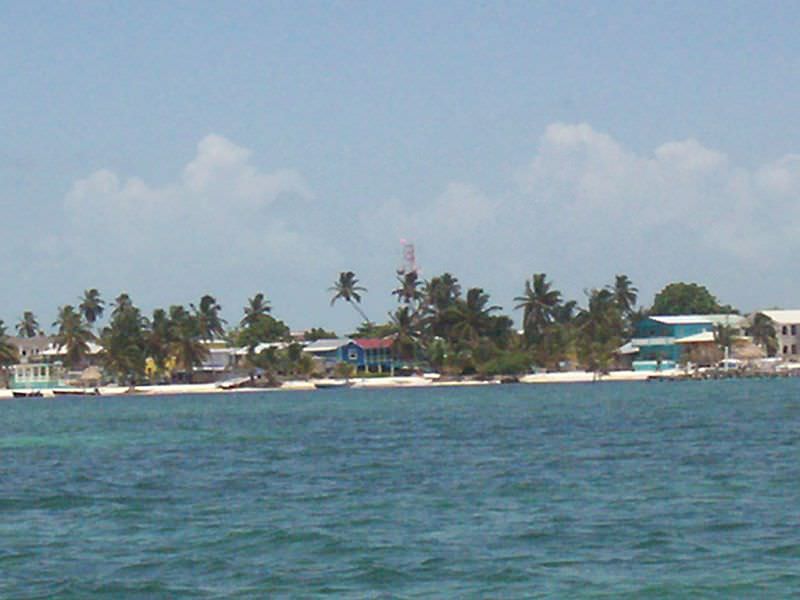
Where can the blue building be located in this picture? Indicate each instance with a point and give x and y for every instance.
(365, 354)
(658, 340)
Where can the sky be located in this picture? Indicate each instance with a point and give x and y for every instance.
(170, 150)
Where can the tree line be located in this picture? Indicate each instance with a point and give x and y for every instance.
(437, 323)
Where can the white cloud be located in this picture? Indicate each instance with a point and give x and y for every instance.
(590, 178)
(220, 225)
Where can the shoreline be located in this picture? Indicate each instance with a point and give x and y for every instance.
(411, 381)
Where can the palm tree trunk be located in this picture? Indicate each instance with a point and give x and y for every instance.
(360, 312)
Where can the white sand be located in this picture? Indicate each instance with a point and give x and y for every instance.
(367, 383)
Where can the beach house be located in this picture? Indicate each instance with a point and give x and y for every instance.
(365, 354)
(661, 341)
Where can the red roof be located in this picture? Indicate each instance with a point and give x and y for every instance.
(374, 343)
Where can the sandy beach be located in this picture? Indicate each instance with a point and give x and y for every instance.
(358, 383)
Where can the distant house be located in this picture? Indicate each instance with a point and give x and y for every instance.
(36, 376)
(787, 331)
(662, 341)
(30, 349)
(365, 354)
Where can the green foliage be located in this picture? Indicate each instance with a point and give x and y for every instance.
(764, 334)
(8, 352)
(687, 299)
(210, 325)
(125, 341)
(347, 289)
(73, 335)
(344, 370)
(91, 306)
(513, 362)
(318, 333)
(186, 340)
(539, 304)
(367, 329)
(600, 330)
(28, 326)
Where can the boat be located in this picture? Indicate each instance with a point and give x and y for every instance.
(330, 384)
(77, 392)
(27, 393)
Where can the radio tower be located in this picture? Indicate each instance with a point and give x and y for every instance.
(409, 260)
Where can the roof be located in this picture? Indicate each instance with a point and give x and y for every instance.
(374, 343)
(782, 316)
(57, 350)
(628, 348)
(326, 345)
(698, 319)
(703, 337)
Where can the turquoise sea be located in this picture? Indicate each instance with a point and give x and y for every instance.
(633, 490)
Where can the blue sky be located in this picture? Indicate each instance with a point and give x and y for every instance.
(174, 149)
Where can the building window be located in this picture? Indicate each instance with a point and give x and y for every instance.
(783, 330)
(786, 350)
(794, 329)
(794, 348)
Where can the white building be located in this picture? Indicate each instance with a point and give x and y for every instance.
(787, 331)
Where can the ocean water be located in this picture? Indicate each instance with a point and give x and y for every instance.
(659, 490)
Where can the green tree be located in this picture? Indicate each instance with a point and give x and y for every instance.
(91, 306)
(8, 353)
(124, 342)
(257, 308)
(763, 333)
(186, 340)
(159, 339)
(439, 295)
(259, 326)
(625, 293)
(539, 304)
(347, 289)
(121, 303)
(318, 333)
(28, 326)
(405, 324)
(73, 335)
(408, 291)
(687, 299)
(471, 317)
(210, 324)
(600, 328)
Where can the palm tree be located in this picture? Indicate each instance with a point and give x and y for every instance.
(406, 332)
(408, 292)
(624, 293)
(763, 332)
(257, 308)
(73, 335)
(439, 294)
(347, 289)
(540, 304)
(124, 341)
(122, 303)
(91, 306)
(186, 343)
(209, 321)
(600, 329)
(472, 317)
(8, 352)
(28, 326)
(159, 339)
